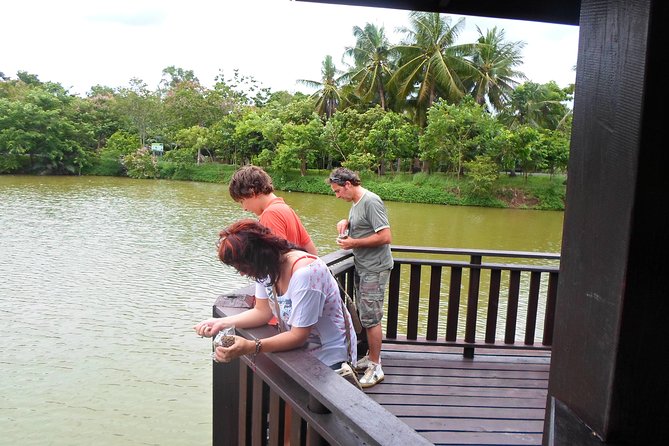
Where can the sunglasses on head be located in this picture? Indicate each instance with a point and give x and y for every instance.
(338, 179)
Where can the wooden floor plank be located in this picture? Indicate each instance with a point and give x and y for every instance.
(460, 401)
(461, 411)
(495, 398)
(482, 438)
(466, 381)
(455, 372)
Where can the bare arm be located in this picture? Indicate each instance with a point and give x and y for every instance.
(287, 340)
(311, 248)
(383, 237)
(259, 315)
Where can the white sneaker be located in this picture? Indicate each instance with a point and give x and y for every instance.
(362, 363)
(373, 375)
(348, 374)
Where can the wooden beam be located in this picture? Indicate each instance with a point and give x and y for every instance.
(564, 12)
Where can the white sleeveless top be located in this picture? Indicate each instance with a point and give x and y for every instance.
(313, 300)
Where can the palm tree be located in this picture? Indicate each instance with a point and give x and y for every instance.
(373, 57)
(431, 65)
(327, 95)
(495, 60)
(538, 105)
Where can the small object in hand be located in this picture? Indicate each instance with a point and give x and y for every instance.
(227, 341)
(223, 340)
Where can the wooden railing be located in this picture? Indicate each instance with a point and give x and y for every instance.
(469, 314)
(250, 400)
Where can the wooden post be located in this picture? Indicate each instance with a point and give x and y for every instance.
(606, 382)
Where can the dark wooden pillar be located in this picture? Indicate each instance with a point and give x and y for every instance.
(608, 382)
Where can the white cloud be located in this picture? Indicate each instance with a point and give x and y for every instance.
(84, 43)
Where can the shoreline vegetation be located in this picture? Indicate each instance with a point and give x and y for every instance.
(533, 191)
(424, 120)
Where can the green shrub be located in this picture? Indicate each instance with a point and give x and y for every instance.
(482, 172)
(264, 159)
(551, 197)
(539, 192)
(141, 164)
(105, 166)
(120, 144)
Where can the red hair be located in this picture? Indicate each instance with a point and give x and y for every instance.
(252, 249)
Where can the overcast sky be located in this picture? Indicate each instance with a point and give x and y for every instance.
(84, 43)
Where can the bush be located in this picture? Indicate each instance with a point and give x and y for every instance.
(539, 192)
(141, 164)
(120, 144)
(551, 197)
(482, 172)
(105, 166)
(206, 172)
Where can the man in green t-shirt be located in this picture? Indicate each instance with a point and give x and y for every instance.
(367, 233)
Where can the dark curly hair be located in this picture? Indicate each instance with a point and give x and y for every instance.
(253, 250)
(248, 181)
(341, 175)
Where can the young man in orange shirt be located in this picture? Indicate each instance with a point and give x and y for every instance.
(252, 187)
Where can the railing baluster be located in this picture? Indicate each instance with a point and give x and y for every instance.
(413, 304)
(453, 304)
(493, 306)
(532, 307)
(245, 404)
(313, 437)
(549, 318)
(259, 412)
(512, 308)
(472, 300)
(393, 302)
(433, 306)
(298, 429)
(277, 422)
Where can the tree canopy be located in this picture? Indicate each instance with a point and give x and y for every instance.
(426, 102)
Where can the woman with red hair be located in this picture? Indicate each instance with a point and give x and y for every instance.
(292, 285)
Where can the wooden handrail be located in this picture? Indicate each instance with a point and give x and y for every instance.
(476, 252)
(328, 407)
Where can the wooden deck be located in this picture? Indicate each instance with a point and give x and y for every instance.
(496, 398)
(466, 358)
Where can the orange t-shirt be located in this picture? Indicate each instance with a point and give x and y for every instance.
(284, 222)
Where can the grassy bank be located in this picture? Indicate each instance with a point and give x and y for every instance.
(534, 192)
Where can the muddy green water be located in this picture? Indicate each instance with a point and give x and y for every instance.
(102, 279)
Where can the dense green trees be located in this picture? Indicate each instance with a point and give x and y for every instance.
(42, 129)
(427, 102)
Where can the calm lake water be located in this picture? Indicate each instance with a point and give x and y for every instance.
(102, 279)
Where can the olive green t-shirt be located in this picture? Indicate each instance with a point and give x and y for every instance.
(365, 218)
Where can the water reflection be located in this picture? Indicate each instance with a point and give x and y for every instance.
(103, 278)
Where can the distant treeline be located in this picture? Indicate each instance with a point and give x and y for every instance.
(425, 104)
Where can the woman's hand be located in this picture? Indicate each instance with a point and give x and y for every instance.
(208, 328)
(241, 346)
